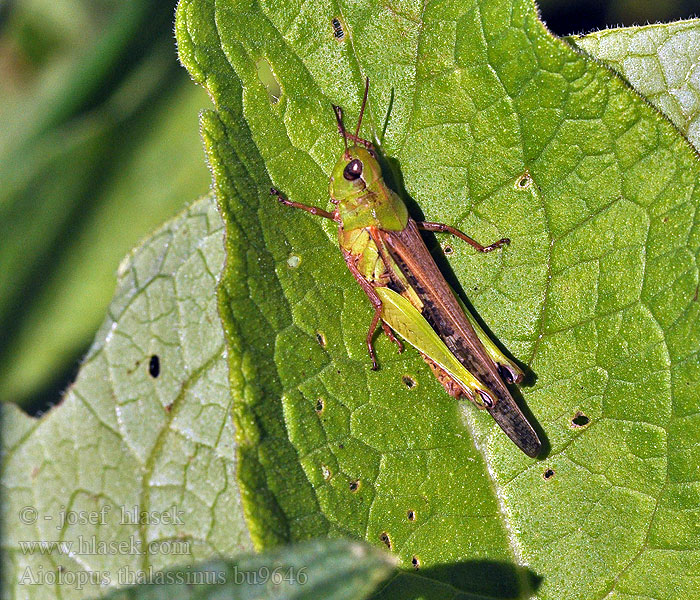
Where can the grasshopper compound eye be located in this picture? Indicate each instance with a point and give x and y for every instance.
(353, 170)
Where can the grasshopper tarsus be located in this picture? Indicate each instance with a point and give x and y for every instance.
(370, 348)
(372, 328)
(495, 245)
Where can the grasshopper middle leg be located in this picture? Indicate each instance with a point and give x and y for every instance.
(377, 305)
(442, 228)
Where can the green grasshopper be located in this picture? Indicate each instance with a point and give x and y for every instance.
(386, 254)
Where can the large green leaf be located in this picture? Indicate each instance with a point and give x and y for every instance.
(129, 436)
(597, 294)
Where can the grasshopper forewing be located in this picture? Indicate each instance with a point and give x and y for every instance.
(442, 310)
(385, 252)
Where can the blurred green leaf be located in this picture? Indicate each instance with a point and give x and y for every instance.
(141, 187)
(101, 122)
(661, 62)
(327, 569)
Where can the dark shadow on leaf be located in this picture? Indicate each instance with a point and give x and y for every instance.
(468, 580)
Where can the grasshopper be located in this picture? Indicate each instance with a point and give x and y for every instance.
(385, 252)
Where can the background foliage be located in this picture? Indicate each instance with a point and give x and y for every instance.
(99, 145)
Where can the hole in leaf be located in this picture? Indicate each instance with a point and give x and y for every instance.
(154, 366)
(524, 181)
(409, 382)
(548, 474)
(338, 32)
(384, 537)
(411, 515)
(580, 420)
(448, 250)
(415, 562)
(354, 485)
(293, 261)
(320, 405)
(267, 77)
(321, 338)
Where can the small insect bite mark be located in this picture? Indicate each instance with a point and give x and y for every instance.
(415, 562)
(326, 472)
(411, 515)
(154, 366)
(409, 382)
(448, 250)
(354, 486)
(524, 181)
(384, 537)
(320, 405)
(293, 261)
(321, 339)
(168, 407)
(338, 32)
(548, 474)
(580, 420)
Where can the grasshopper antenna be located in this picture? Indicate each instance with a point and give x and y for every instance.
(362, 110)
(341, 127)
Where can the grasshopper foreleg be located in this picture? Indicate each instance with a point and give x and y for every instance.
(442, 228)
(314, 210)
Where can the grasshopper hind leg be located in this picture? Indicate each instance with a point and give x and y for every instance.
(390, 334)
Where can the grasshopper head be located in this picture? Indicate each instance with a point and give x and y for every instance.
(356, 170)
(356, 184)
